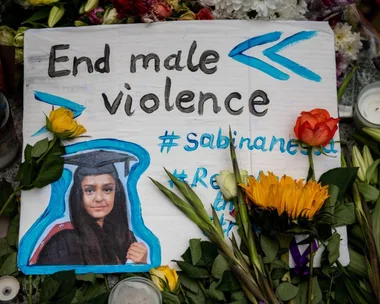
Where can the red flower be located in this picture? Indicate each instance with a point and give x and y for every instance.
(132, 8)
(205, 14)
(316, 128)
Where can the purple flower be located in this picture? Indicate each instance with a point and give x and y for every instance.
(341, 64)
(96, 15)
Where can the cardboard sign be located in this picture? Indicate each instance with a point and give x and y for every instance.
(163, 95)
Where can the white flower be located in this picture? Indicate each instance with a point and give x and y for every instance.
(227, 183)
(263, 7)
(232, 9)
(347, 42)
(352, 49)
(291, 10)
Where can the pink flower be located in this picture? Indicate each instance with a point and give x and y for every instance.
(96, 15)
(162, 10)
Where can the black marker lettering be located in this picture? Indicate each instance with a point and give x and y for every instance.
(253, 102)
(147, 97)
(115, 105)
(227, 103)
(184, 97)
(202, 99)
(145, 59)
(207, 57)
(53, 59)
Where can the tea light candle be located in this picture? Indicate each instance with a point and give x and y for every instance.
(9, 288)
(367, 108)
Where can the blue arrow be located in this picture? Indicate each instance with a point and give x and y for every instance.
(300, 70)
(237, 54)
(57, 101)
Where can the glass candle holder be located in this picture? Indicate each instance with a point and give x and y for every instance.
(135, 290)
(367, 107)
(9, 143)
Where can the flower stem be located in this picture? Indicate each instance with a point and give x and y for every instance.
(311, 173)
(311, 265)
(10, 198)
(30, 299)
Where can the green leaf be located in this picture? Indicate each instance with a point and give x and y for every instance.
(187, 255)
(343, 178)
(196, 298)
(4, 247)
(216, 221)
(371, 171)
(49, 288)
(357, 264)
(191, 197)
(209, 253)
(269, 246)
(6, 191)
(89, 277)
(180, 204)
(241, 301)
(93, 291)
(376, 225)
(9, 266)
(333, 248)
(168, 298)
(196, 250)
(286, 291)
(40, 14)
(237, 295)
(40, 147)
(99, 299)
(220, 266)
(278, 273)
(346, 82)
(228, 282)
(193, 271)
(316, 292)
(188, 283)
(370, 142)
(301, 297)
(214, 293)
(369, 192)
(51, 168)
(12, 236)
(345, 214)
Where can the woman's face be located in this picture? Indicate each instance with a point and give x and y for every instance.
(98, 195)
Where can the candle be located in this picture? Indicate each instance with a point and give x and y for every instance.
(367, 108)
(9, 288)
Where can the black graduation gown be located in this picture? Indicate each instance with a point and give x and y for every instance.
(65, 248)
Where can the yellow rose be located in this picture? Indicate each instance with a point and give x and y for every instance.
(165, 278)
(188, 16)
(61, 122)
(42, 2)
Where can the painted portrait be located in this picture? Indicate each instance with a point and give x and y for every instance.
(94, 220)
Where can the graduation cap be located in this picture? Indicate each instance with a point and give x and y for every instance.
(99, 162)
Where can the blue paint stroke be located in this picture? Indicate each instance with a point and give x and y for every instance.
(56, 210)
(237, 54)
(57, 101)
(300, 70)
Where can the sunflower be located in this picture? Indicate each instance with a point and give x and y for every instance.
(296, 199)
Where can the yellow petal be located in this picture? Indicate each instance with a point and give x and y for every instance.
(79, 131)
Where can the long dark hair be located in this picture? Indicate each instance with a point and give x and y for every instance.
(101, 246)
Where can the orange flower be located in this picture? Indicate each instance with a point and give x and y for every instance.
(316, 128)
